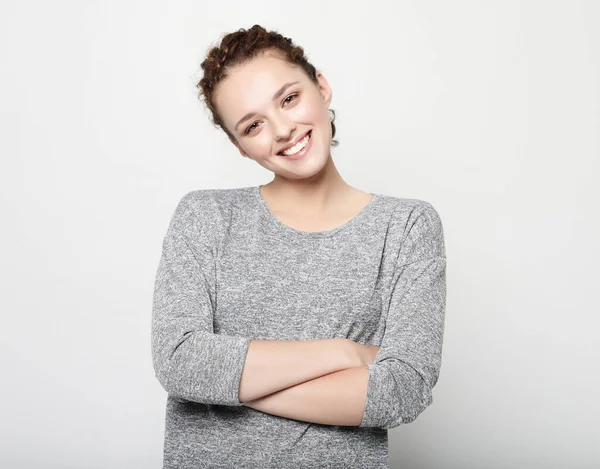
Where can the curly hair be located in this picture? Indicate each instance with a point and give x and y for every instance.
(240, 47)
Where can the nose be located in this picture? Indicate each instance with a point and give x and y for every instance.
(283, 128)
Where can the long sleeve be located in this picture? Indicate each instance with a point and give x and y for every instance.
(190, 361)
(408, 363)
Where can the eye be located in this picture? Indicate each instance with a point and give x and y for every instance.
(293, 95)
(250, 128)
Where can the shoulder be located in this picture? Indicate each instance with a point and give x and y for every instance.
(410, 211)
(417, 225)
(206, 213)
(209, 203)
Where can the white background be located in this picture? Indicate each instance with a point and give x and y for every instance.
(489, 110)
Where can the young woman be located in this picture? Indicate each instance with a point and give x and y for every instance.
(294, 322)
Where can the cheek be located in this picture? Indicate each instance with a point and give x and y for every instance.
(262, 144)
(314, 111)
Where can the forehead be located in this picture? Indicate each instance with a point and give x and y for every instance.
(251, 85)
(261, 72)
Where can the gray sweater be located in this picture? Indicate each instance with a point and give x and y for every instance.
(230, 272)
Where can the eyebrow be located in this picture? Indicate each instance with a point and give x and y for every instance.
(276, 96)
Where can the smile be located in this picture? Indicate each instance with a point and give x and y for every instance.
(299, 149)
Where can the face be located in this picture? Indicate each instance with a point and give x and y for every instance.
(265, 117)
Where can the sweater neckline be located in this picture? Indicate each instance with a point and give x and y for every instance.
(282, 227)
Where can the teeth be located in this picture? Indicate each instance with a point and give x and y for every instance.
(296, 148)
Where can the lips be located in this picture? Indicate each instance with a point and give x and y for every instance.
(293, 143)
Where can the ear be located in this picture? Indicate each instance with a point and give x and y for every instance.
(324, 89)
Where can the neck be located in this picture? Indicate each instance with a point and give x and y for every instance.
(312, 195)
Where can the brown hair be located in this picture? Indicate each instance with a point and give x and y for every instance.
(240, 47)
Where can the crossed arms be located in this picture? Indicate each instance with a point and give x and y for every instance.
(322, 381)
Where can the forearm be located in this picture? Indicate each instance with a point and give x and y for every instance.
(335, 399)
(273, 365)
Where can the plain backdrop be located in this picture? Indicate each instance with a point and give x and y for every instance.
(489, 110)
